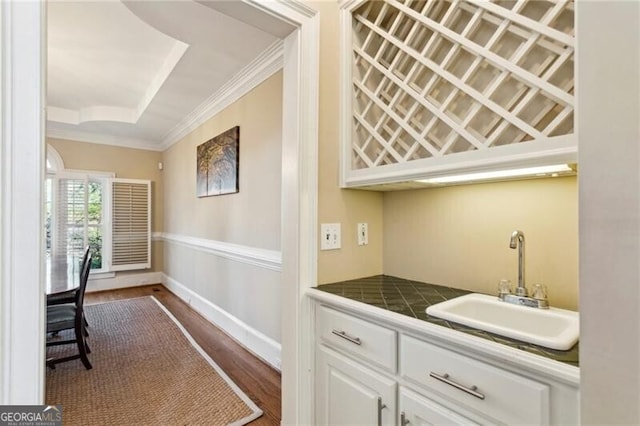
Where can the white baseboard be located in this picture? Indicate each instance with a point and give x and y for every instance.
(124, 281)
(254, 341)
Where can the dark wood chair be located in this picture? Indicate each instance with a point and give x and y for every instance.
(71, 316)
(68, 296)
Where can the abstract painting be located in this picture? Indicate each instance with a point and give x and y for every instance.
(218, 164)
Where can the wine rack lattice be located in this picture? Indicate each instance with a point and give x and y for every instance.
(438, 77)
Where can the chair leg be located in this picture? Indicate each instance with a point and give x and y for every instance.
(82, 346)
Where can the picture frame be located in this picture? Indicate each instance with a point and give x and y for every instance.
(218, 161)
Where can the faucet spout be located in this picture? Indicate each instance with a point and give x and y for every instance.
(517, 241)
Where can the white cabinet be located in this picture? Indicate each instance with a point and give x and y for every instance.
(370, 372)
(362, 339)
(502, 396)
(417, 410)
(350, 394)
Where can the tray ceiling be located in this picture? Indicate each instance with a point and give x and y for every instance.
(129, 73)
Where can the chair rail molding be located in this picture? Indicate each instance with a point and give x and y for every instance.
(264, 258)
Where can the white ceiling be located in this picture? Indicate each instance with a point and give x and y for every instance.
(128, 73)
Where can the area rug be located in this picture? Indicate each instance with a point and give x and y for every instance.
(147, 370)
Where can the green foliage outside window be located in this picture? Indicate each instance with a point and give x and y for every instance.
(94, 217)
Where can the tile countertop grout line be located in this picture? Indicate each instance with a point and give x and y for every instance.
(384, 299)
(570, 357)
(405, 301)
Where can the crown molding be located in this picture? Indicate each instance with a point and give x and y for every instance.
(264, 66)
(286, 9)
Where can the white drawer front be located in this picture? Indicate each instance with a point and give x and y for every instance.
(364, 340)
(500, 395)
(417, 410)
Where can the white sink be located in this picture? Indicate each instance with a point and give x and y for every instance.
(552, 328)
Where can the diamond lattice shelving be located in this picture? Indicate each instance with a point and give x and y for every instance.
(433, 78)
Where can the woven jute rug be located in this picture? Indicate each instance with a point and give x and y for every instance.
(147, 370)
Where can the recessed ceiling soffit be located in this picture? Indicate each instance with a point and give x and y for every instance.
(118, 81)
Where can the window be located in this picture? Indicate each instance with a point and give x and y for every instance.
(82, 216)
(110, 215)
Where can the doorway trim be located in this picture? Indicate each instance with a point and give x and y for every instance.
(23, 41)
(22, 162)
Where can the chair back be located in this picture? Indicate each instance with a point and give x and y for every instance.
(85, 256)
(84, 278)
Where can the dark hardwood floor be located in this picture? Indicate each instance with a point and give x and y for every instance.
(256, 378)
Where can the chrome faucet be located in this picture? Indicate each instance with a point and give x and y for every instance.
(521, 296)
(517, 241)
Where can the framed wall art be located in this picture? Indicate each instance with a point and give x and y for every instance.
(218, 164)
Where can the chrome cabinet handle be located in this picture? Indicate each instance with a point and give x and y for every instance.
(403, 419)
(473, 390)
(345, 336)
(380, 407)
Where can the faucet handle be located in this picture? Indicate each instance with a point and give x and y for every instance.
(539, 292)
(504, 287)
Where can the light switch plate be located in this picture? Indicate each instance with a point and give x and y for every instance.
(363, 234)
(330, 236)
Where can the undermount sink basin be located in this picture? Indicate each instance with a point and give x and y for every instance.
(552, 328)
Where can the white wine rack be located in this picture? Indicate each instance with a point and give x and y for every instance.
(438, 85)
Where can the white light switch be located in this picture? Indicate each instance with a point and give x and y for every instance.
(330, 236)
(363, 234)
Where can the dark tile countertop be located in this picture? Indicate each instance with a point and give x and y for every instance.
(411, 298)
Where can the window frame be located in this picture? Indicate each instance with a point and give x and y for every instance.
(87, 175)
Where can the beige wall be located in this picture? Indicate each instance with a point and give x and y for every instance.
(347, 207)
(459, 236)
(252, 216)
(249, 218)
(125, 163)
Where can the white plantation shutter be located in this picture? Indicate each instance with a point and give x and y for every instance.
(69, 237)
(131, 224)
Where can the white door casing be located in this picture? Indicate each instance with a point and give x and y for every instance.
(23, 69)
(23, 45)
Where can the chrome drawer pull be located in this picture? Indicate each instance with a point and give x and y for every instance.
(403, 419)
(345, 336)
(473, 390)
(380, 407)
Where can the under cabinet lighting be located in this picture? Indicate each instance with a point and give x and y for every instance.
(501, 174)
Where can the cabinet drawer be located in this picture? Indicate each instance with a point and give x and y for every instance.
(498, 394)
(416, 410)
(364, 340)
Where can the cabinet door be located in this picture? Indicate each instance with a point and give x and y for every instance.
(351, 394)
(417, 410)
